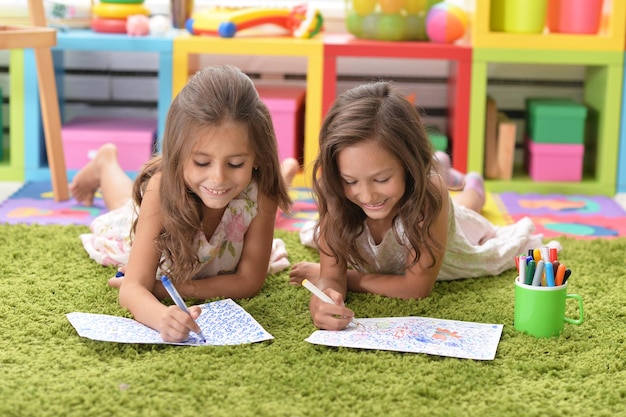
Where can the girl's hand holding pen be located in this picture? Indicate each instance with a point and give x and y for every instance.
(327, 316)
(176, 324)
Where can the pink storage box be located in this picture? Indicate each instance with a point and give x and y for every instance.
(286, 105)
(84, 135)
(555, 162)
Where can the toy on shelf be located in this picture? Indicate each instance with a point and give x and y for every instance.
(137, 25)
(110, 16)
(445, 23)
(226, 22)
(405, 20)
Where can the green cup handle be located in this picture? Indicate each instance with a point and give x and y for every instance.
(580, 309)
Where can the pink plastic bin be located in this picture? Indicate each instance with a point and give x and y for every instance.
(555, 162)
(134, 139)
(286, 105)
(575, 16)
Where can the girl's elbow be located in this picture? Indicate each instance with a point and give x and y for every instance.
(417, 293)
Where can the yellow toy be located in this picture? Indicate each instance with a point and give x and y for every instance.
(227, 21)
(118, 11)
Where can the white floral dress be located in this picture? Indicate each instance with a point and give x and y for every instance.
(109, 240)
(475, 248)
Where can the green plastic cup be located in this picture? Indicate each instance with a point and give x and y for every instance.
(540, 311)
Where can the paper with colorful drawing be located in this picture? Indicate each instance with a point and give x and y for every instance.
(459, 339)
(223, 322)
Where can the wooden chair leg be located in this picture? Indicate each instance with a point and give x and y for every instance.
(51, 116)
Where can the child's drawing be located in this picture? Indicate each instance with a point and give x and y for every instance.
(223, 322)
(458, 339)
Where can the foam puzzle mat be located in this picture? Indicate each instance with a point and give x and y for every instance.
(578, 216)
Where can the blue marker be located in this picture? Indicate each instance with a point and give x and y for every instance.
(171, 290)
(549, 274)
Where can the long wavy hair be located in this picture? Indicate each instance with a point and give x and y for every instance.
(376, 112)
(212, 96)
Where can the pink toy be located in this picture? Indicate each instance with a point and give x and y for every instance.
(445, 23)
(137, 25)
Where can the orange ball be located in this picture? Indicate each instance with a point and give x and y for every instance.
(391, 6)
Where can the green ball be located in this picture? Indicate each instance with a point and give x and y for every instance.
(354, 24)
(391, 27)
(370, 26)
(416, 27)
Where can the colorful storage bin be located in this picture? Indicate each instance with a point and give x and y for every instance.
(286, 106)
(135, 139)
(555, 120)
(518, 16)
(555, 162)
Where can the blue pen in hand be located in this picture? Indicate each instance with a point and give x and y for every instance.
(171, 290)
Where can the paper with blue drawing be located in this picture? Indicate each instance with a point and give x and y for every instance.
(223, 322)
(459, 339)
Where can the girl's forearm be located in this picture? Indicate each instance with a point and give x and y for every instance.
(142, 304)
(395, 286)
(235, 286)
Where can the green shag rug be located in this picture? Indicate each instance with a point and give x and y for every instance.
(46, 369)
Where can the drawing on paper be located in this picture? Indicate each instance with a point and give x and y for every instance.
(452, 338)
(223, 322)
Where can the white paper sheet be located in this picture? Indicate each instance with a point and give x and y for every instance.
(459, 339)
(223, 322)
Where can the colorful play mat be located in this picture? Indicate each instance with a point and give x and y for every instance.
(584, 217)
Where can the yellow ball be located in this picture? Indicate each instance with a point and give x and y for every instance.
(414, 6)
(363, 7)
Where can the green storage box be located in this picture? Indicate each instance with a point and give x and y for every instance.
(438, 140)
(555, 120)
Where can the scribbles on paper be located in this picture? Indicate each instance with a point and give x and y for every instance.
(452, 338)
(223, 322)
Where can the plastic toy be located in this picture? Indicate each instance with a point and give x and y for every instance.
(228, 21)
(118, 11)
(137, 25)
(106, 25)
(159, 25)
(445, 23)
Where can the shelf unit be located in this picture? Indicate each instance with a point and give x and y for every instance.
(12, 163)
(36, 168)
(460, 62)
(312, 49)
(603, 85)
(601, 54)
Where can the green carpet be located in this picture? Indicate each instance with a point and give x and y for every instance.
(46, 369)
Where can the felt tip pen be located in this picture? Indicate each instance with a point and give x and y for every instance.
(178, 300)
(538, 273)
(560, 274)
(317, 292)
(549, 274)
(530, 272)
(522, 268)
(320, 294)
(545, 254)
(568, 272)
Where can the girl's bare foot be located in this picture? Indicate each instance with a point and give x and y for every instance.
(304, 270)
(87, 181)
(289, 168)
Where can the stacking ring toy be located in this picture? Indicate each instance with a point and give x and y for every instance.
(118, 11)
